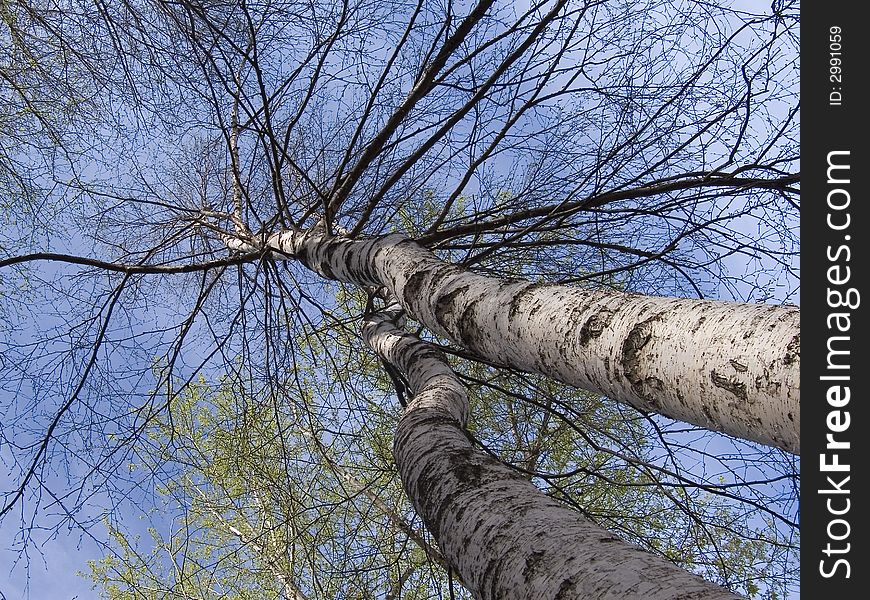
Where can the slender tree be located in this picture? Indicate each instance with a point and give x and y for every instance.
(503, 536)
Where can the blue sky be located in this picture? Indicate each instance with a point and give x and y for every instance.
(52, 575)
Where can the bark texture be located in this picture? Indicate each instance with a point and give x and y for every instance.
(505, 538)
(727, 366)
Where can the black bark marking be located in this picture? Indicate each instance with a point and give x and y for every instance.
(328, 256)
(632, 368)
(469, 332)
(469, 474)
(379, 248)
(764, 383)
(568, 589)
(655, 385)
(708, 413)
(444, 304)
(360, 259)
(413, 287)
(738, 366)
(533, 561)
(492, 571)
(302, 256)
(737, 388)
(433, 512)
(517, 300)
(595, 325)
(406, 241)
(469, 467)
(430, 353)
(634, 342)
(447, 305)
(792, 351)
(440, 274)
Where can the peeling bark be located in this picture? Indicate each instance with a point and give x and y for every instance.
(505, 538)
(726, 366)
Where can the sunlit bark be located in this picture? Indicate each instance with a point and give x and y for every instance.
(726, 366)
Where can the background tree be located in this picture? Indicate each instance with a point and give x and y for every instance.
(650, 148)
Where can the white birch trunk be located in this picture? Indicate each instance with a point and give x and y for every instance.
(505, 538)
(726, 366)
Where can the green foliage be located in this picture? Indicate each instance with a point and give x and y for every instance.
(270, 508)
(268, 494)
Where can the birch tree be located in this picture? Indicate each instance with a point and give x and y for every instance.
(559, 193)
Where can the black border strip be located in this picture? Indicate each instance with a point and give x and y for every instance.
(834, 299)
